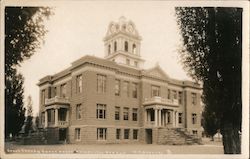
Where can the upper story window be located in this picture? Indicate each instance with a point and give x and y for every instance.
(134, 115)
(180, 97)
(126, 88)
(136, 64)
(43, 96)
(101, 83)
(63, 90)
(117, 87)
(55, 91)
(194, 118)
(115, 46)
(155, 91)
(78, 111)
(194, 98)
(51, 115)
(117, 113)
(134, 48)
(125, 113)
(126, 46)
(134, 90)
(109, 49)
(174, 94)
(79, 84)
(169, 94)
(62, 114)
(101, 111)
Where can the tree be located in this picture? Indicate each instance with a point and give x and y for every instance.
(29, 123)
(24, 31)
(210, 123)
(212, 54)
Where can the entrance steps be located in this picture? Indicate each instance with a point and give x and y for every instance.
(176, 136)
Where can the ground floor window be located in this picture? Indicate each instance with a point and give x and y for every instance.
(118, 134)
(180, 118)
(77, 134)
(135, 134)
(195, 132)
(126, 133)
(101, 133)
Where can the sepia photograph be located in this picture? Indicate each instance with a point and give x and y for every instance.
(124, 79)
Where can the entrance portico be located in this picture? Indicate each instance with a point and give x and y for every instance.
(160, 112)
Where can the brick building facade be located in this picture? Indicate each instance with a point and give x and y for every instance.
(114, 100)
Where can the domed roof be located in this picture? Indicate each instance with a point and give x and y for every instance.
(122, 26)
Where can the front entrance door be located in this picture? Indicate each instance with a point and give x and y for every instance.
(62, 134)
(148, 135)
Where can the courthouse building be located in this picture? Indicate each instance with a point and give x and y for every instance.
(114, 100)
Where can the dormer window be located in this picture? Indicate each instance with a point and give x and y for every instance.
(115, 46)
(134, 49)
(126, 46)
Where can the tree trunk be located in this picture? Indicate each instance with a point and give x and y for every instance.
(231, 139)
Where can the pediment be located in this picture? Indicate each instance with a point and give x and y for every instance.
(156, 72)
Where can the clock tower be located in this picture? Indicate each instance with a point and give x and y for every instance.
(122, 43)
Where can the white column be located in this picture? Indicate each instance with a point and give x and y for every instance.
(160, 117)
(67, 116)
(163, 118)
(56, 117)
(46, 119)
(148, 116)
(176, 119)
(173, 118)
(156, 117)
(145, 116)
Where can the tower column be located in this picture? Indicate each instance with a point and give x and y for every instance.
(46, 119)
(159, 117)
(156, 117)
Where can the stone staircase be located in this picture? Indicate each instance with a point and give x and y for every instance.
(176, 136)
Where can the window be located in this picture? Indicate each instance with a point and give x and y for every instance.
(127, 61)
(134, 115)
(174, 94)
(134, 49)
(134, 90)
(117, 113)
(55, 91)
(43, 97)
(101, 111)
(101, 83)
(135, 134)
(169, 94)
(194, 132)
(109, 49)
(77, 134)
(125, 113)
(155, 91)
(126, 133)
(117, 87)
(51, 115)
(63, 90)
(194, 98)
(79, 84)
(194, 118)
(62, 113)
(115, 46)
(180, 118)
(126, 46)
(78, 111)
(101, 133)
(180, 97)
(126, 88)
(118, 134)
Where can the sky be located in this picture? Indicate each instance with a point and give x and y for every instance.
(78, 29)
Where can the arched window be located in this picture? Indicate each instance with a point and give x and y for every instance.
(134, 49)
(126, 46)
(115, 46)
(109, 49)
